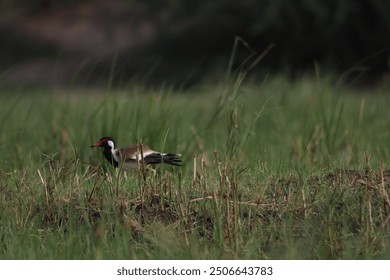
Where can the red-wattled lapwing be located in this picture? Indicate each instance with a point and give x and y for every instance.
(127, 157)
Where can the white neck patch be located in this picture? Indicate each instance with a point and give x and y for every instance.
(111, 144)
(113, 151)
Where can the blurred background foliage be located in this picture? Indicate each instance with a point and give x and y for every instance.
(184, 41)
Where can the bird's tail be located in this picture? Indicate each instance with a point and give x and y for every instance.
(172, 159)
(156, 158)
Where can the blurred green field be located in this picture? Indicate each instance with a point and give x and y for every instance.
(272, 170)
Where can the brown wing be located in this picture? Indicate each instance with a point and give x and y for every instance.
(133, 153)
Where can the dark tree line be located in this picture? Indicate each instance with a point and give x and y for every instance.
(338, 35)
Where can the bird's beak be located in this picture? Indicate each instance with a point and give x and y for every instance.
(95, 145)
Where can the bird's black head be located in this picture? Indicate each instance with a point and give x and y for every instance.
(105, 142)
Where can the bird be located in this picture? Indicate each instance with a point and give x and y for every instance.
(130, 157)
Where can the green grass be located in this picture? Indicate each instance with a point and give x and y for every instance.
(272, 170)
